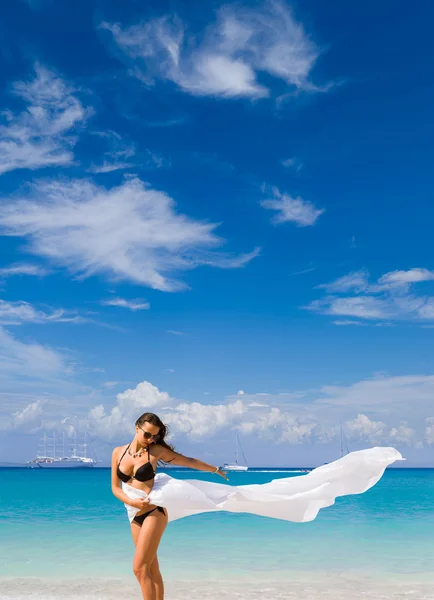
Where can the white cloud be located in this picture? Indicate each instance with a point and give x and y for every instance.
(174, 332)
(387, 410)
(390, 298)
(363, 307)
(28, 360)
(397, 278)
(130, 232)
(109, 167)
(345, 322)
(115, 157)
(226, 61)
(110, 384)
(23, 269)
(36, 384)
(16, 313)
(411, 393)
(199, 420)
(279, 426)
(137, 304)
(292, 163)
(43, 134)
(429, 430)
(289, 209)
(129, 406)
(357, 281)
(26, 420)
(403, 434)
(194, 418)
(379, 410)
(363, 428)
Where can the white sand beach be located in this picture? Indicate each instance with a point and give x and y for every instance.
(318, 588)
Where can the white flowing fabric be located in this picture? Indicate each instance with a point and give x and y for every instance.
(296, 499)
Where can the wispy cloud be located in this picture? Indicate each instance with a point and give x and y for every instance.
(303, 271)
(137, 304)
(348, 322)
(23, 269)
(28, 360)
(356, 281)
(390, 298)
(44, 133)
(110, 166)
(289, 209)
(167, 122)
(404, 278)
(130, 232)
(226, 62)
(115, 158)
(108, 385)
(292, 163)
(17, 313)
(174, 332)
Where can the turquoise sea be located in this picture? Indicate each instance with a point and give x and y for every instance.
(64, 527)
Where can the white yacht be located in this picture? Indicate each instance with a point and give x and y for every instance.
(236, 466)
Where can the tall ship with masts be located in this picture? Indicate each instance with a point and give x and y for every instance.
(53, 453)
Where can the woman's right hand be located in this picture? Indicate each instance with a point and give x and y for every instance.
(140, 503)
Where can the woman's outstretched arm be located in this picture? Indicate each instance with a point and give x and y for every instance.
(174, 458)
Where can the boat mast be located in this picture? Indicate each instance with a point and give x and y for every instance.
(343, 441)
(74, 451)
(44, 446)
(236, 448)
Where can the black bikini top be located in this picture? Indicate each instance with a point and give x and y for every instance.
(144, 472)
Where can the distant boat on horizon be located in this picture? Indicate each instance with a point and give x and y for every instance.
(236, 466)
(343, 443)
(52, 455)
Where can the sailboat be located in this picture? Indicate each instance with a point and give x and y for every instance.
(344, 443)
(235, 466)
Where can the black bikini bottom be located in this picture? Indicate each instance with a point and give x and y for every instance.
(139, 520)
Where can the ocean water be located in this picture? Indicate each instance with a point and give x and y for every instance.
(64, 535)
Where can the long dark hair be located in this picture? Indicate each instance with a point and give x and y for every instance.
(153, 419)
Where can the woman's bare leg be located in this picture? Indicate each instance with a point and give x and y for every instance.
(145, 566)
(155, 567)
(157, 579)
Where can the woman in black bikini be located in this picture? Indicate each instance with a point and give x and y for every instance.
(135, 466)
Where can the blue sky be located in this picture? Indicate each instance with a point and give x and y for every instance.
(221, 212)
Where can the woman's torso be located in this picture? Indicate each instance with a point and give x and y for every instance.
(137, 473)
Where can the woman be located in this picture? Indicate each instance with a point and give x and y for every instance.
(133, 471)
(152, 500)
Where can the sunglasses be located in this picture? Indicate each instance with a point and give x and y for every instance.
(150, 436)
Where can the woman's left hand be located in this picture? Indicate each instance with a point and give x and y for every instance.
(222, 474)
